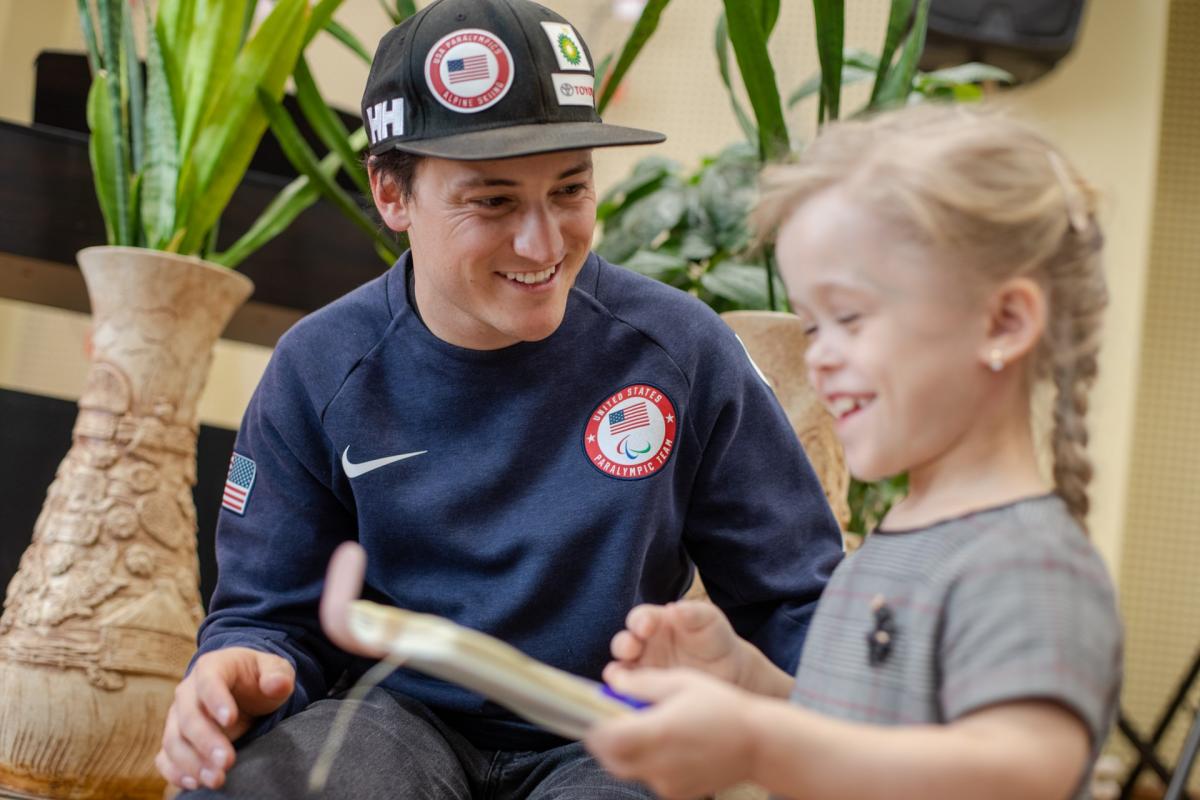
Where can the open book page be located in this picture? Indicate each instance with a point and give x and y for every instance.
(558, 701)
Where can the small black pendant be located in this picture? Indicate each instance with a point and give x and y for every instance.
(879, 641)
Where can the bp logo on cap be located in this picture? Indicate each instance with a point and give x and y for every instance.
(631, 435)
(567, 47)
(469, 70)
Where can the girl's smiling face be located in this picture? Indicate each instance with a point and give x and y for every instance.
(894, 336)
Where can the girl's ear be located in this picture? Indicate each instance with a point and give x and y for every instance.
(1016, 321)
(393, 206)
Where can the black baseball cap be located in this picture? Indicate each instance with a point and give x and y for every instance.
(483, 79)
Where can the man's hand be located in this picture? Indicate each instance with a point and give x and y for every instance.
(214, 705)
(690, 633)
(695, 740)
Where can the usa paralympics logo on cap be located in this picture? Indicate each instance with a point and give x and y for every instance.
(469, 70)
(631, 435)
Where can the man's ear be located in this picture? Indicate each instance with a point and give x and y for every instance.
(390, 201)
(1016, 321)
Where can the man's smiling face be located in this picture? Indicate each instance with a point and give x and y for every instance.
(496, 245)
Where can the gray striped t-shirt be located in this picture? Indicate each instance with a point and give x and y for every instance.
(1005, 604)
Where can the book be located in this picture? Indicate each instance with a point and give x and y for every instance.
(552, 698)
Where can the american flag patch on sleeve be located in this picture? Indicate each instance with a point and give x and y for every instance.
(239, 483)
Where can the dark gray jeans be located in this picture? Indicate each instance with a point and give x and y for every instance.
(397, 748)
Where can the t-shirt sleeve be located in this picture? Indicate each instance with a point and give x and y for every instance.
(758, 526)
(275, 538)
(1032, 616)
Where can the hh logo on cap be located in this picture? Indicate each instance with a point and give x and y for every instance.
(386, 119)
(469, 70)
(631, 434)
(574, 90)
(567, 47)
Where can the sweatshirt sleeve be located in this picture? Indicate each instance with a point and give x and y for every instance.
(272, 555)
(758, 527)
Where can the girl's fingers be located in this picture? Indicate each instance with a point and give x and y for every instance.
(627, 647)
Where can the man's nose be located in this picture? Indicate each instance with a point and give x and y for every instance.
(539, 238)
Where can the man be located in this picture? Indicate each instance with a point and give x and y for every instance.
(524, 439)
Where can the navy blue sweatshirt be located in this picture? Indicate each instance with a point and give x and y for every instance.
(559, 483)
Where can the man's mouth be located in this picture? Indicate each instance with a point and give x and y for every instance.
(532, 278)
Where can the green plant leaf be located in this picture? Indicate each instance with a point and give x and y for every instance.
(721, 44)
(830, 21)
(102, 151)
(601, 72)
(349, 39)
(174, 28)
(898, 20)
(744, 284)
(642, 31)
(972, 72)
(658, 265)
(229, 137)
(727, 190)
(647, 174)
(160, 172)
(758, 75)
(287, 205)
(899, 82)
(131, 77)
(88, 28)
(111, 13)
(321, 14)
(649, 217)
(300, 155)
(212, 52)
(851, 74)
(768, 15)
(328, 125)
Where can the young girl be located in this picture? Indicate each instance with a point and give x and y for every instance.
(945, 262)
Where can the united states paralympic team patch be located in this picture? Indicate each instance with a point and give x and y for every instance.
(239, 483)
(469, 70)
(631, 435)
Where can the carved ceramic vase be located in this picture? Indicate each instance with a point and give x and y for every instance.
(776, 342)
(100, 620)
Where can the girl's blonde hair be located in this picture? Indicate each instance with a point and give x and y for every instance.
(1002, 202)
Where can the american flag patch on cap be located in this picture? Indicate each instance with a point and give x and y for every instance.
(239, 483)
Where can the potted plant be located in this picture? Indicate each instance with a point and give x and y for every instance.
(100, 619)
(689, 229)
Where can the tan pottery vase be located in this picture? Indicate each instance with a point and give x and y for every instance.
(100, 620)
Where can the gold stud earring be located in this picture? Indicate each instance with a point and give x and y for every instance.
(996, 360)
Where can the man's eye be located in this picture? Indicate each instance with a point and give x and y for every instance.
(490, 202)
(573, 189)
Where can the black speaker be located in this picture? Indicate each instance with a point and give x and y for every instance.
(1025, 37)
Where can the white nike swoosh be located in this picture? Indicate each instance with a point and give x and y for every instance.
(354, 470)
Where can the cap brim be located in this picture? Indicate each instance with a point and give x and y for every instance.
(526, 140)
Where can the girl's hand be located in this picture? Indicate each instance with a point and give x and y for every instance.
(690, 633)
(695, 740)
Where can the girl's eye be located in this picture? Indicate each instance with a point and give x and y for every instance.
(849, 319)
(810, 330)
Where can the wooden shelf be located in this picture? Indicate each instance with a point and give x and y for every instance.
(48, 212)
